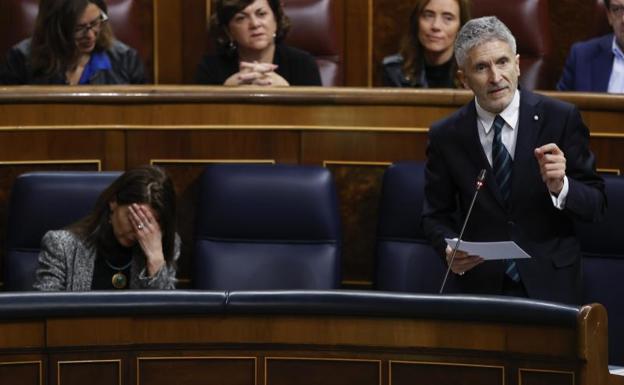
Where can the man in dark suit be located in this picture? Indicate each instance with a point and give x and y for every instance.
(540, 175)
(597, 65)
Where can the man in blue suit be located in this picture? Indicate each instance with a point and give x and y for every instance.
(597, 65)
(540, 175)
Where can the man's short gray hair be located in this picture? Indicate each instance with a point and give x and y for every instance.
(479, 31)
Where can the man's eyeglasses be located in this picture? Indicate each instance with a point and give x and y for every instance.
(617, 10)
(95, 25)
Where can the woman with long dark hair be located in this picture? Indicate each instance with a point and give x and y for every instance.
(127, 242)
(72, 44)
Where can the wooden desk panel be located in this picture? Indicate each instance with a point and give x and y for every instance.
(269, 349)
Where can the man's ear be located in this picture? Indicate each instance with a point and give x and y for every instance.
(518, 63)
(462, 78)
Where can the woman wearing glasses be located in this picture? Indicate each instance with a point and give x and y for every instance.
(72, 44)
(250, 51)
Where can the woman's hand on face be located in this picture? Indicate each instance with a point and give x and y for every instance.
(149, 236)
(259, 74)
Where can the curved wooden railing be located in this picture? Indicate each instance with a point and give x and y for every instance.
(338, 337)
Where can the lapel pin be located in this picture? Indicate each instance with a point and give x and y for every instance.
(535, 117)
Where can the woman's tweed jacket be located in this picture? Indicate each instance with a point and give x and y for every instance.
(66, 264)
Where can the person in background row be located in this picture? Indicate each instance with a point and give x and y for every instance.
(597, 65)
(127, 242)
(541, 175)
(249, 36)
(426, 57)
(72, 44)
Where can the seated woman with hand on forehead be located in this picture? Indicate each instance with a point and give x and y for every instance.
(250, 51)
(72, 44)
(127, 242)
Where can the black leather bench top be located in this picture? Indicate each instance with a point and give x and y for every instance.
(333, 302)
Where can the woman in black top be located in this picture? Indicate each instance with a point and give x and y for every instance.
(72, 44)
(426, 59)
(249, 49)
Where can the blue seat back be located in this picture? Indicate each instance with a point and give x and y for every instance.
(262, 227)
(42, 201)
(603, 264)
(404, 257)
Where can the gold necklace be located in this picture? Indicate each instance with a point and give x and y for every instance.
(119, 280)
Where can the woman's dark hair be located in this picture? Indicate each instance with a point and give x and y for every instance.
(225, 10)
(54, 47)
(411, 47)
(147, 184)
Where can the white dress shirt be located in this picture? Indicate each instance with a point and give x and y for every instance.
(616, 81)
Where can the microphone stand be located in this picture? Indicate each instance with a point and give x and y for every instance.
(479, 184)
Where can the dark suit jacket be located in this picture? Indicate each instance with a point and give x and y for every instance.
(588, 66)
(455, 157)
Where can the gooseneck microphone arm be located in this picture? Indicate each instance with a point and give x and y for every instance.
(479, 184)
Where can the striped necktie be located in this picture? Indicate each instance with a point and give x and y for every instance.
(502, 165)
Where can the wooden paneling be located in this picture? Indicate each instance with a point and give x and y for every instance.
(92, 372)
(310, 371)
(21, 372)
(439, 373)
(359, 184)
(546, 377)
(89, 331)
(390, 24)
(25, 334)
(358, 43)
(277, 349)
(194, 36)
(168, 45)
(196, 371)
(372, 333)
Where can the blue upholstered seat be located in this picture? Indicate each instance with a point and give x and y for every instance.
(263, 227)
(405, 260)
(603, 264)
(42, 201)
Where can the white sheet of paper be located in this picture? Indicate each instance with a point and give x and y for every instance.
(617, 370)
(491, 250)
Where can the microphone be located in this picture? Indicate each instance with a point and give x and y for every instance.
(479, 184)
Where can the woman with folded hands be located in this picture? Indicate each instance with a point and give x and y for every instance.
(249, 35)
